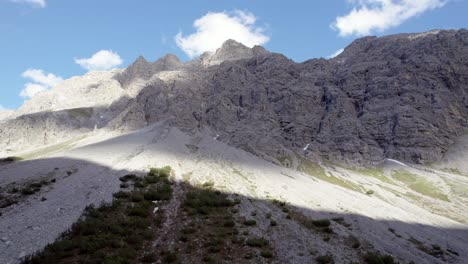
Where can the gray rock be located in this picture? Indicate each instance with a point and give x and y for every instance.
(403, 97)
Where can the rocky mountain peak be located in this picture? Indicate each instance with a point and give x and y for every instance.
(166, 63)
(142, 69)
(140, 59)
(233, 50)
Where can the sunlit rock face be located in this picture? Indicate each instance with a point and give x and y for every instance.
(402, 97)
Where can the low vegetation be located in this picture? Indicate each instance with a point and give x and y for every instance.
(114, 232)
(325, 259)
(376, 258)
(210, 230)
(10, 159)
(433, 250)
(419, 184)
(15, 193)
(315, 170)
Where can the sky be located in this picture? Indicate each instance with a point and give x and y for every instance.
(43, 42)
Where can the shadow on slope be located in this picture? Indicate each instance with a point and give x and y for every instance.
(195, 223)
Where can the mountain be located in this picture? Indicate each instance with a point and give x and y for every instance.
(402, 97)
(374, 138)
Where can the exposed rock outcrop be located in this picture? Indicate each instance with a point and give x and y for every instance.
(403, 97)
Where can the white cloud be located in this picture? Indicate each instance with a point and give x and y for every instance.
(100, 61)
(338, 52)
(378, 15)
(31, 89)
(37, 3)
(213, 29)
(38, 76)
(2, 108)
(40, 82)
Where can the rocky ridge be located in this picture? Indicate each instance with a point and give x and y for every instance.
(402, 97)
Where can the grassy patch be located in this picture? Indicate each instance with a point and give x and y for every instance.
(209, 232)
(52, 148)
(285, 160)
(80, 112)
(315, 170)
(419, 185)
(205, 201)
(454, 171)
(111, 233)
(376, 172)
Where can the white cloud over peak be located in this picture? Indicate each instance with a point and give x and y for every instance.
(368, 16)
(100, 61)
(40, 81)
(338, 52)
(37, 3)
(213, 29)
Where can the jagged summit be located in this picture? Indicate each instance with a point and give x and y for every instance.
(142, 69)
(233, 50)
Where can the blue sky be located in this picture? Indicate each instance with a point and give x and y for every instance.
(45, 41)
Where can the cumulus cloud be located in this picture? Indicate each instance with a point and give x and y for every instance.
(378, 15)
(37, 3)
(100, 61)
(40, 81)
(338, 52)
(213, 29)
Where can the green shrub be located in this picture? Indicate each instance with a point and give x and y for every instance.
(28, 191)
(169, 256)
(163, 192)
(129, 177)
(11, 159)
(139, 211)
(201, 202)
(249, 255)
(149, 258)
(121, 195)
(356, 244)
(229, 223)
(325, 259)
(208, 185)
(151, 179)
(137, 197)
(250, 222)
(257, 242)
(321, 223)
(375, 258)
(14, 190)
(160, 172)
(273, 223)
(266, 253)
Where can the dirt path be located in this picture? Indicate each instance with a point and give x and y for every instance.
(171, 211)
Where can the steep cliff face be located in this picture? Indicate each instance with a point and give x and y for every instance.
(403, 97)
